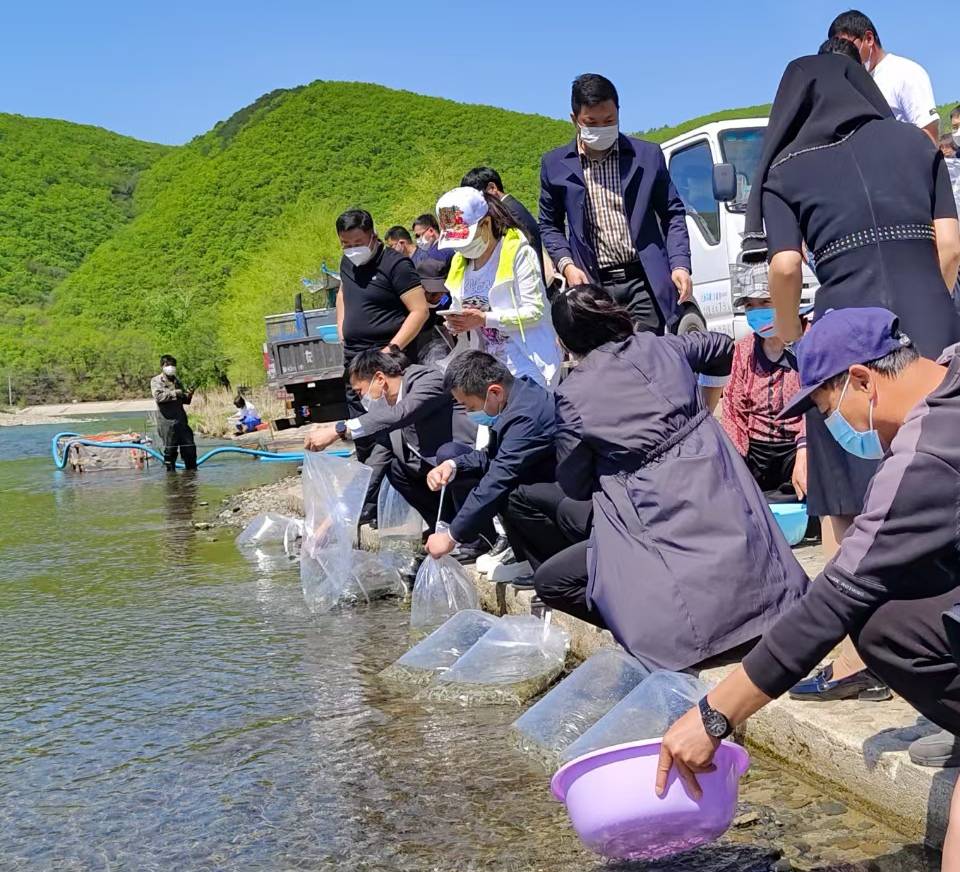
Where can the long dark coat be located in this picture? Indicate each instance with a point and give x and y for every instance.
(685, 559)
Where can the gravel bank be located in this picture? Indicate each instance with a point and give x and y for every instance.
(282, 496)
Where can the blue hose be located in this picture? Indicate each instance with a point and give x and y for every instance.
(60, 459)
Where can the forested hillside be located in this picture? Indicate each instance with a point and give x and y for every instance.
(64, 189)
(113, 251)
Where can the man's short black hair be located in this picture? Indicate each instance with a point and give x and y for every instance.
(591, 89)
(853, 23)
(428, 220)
(239, 402)
(480, 177)
(839, 45)
(368, 363)
(398, 231)
(472, 372)
(890, 365)
(355, 219)
(955, 112)
(168, 360)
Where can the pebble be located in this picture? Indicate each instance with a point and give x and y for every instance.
(832, 808)
(202, 525)
(746, 820)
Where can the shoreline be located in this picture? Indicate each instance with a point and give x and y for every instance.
(854, 752)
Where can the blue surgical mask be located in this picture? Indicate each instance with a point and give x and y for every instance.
(482, 418)
(761, 322)
(864, 444)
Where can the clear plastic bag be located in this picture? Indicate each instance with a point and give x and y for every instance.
(399, 525)
(647, 712)
(436, 653)
(334, 489)
(267, 529)
(577, 703)
(513, 662)
(368, 577)
(442, 589)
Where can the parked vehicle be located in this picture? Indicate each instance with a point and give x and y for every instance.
(713, 168)
(303, 356)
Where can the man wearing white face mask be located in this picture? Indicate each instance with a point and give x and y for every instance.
(898, 569)
(380, 305)
(904, 83)
(610, 214)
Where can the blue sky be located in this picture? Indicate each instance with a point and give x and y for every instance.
(169, 71)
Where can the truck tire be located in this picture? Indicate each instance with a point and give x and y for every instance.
(691, 321)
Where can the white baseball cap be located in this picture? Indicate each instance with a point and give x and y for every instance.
(459, 212)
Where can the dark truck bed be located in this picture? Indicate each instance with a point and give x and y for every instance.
(309, 368)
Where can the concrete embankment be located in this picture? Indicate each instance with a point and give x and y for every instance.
(850, 750)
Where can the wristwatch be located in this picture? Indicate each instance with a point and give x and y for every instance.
(341, 428)
(714, 722)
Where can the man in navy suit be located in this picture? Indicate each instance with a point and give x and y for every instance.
(611, 216)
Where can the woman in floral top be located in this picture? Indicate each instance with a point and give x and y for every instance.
(760, 387)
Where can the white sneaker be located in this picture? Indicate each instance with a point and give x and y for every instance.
(486, 563)
(510, 571)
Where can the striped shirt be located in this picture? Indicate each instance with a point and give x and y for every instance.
(606, 216)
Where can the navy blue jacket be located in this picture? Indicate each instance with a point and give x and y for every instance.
(654, 211)
(521, 451)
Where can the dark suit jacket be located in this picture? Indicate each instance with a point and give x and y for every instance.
(421, 421)
(521, 451)
(654, 210)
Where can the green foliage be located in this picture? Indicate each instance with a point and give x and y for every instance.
(114, 251)
(64, 189)
(662, 134)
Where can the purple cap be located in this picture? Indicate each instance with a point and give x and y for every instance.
(837, 340)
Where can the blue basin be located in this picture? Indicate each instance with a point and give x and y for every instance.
(792, 518)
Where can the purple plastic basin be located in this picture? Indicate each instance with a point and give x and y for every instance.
(615, 810)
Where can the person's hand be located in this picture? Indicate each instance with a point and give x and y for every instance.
(439, 545)
(320, 437)
(575, 276)
(468, 319)
(799, 479)
(684, 284)
(441, 475)
(689, 747)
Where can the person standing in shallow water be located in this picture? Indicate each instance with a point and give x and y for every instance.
(871, 198)
(171, 396)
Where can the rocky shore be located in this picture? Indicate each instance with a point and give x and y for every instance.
(282, 496)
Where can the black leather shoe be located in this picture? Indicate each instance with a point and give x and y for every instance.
(468, 552)
(524, 582)
(821, 687)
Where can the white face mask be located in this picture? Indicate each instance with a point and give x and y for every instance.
(599, 138)
(868, 63)
(369, 402)
(956, 139)
(170, 371)
(423, 243)
(475, 248)
(358, 255)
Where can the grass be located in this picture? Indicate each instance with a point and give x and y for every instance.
(210, 409)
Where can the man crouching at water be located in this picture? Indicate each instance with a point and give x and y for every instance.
(898, 569)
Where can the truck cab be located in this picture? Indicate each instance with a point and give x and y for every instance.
(716, 226)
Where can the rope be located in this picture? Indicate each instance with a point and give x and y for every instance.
(60, 458)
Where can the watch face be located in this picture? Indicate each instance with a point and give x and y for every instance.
(716, 724)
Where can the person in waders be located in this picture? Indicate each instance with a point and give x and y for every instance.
(175, 433)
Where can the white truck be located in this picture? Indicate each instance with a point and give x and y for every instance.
(713, 168)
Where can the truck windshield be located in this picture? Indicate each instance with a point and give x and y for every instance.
(742, 148)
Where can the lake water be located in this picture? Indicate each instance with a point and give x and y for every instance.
(166, 704)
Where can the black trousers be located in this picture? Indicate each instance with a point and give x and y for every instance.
(540, 521)
(904, 643)
(411, 484)
(771, 465)
(629, 287)
(177, 437)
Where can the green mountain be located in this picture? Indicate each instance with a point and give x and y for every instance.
(113, 251)
(64, 189)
